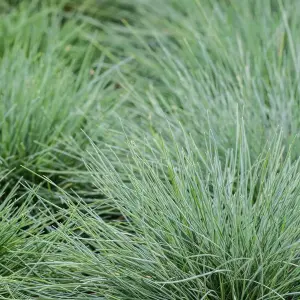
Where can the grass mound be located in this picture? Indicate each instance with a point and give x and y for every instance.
(196, 229)
(52, 87)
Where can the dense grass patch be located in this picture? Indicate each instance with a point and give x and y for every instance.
(53, 84)
(149, 149)
(191, 230)
(202, 62)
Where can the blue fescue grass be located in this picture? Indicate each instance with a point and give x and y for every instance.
(201, 62)
(53, 84)
(163, 137)
(194, 229)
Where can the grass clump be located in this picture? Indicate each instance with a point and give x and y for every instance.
(53, 84)
(23, 243)
(196, 229)
(199, 62)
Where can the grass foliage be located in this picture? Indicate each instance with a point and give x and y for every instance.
(149, 150)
